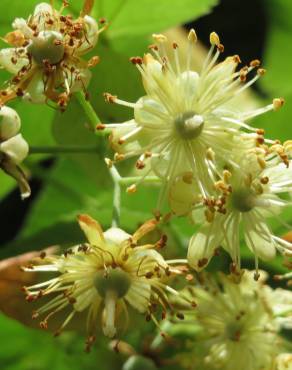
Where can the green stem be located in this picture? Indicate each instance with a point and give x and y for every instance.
(90, 113)
(124, 181)
(63, 149)
(117, 196)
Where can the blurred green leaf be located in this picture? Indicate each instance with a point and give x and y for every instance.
(131, 17)
(277, 58)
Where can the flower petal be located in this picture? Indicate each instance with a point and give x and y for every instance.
(6, 57)
(259, 240)
(9, 123)
(16, 148)
(91, 229)
(203, 244)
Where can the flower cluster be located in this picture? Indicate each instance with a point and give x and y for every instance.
(105, 276)
(236, 322)
(192, 134)
(13, 148)
(201, 146)
(46, 56)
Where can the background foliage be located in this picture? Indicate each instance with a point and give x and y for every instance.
(70, 184)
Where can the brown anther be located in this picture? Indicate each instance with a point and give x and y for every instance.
(256, 276)
(220, 48)
(261, 71)
(119, 157)
(136, 60)
(149, 275)
(180, 316)
(188, 178)
(260, 131)
(109, 98)
(278, 103)
(203, 262)
(30, 298)
(162, 241)
(121, 141)
(93, 61)
(72, 300)
(102, 20)
(148, 154)
(140, 164)
(19, 92)
(148, 318)
(189, 277)
(43, 255)
(44, 325)
(35, 315)
(100, 127)
(264, 180)
(255, 63)
(260, 140)
(153, 47)
(237, 59)
(174, 45)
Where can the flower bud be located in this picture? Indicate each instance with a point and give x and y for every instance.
(9, 123)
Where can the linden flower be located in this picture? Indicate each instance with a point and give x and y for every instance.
(46, 56)
(239, 324)
(248, 197)
(107, 275)
(13, 148)
(185, 122)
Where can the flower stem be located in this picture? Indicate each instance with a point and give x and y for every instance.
(134, 179)
(63, 149)
(93, 119)
(117, 196)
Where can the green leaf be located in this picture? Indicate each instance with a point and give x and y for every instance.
(131, 17)
(277, 58)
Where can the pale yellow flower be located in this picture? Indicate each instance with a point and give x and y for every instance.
(186, 122)
(105, 277)
(239, 323)
(46, 55)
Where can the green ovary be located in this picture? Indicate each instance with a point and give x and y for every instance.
(113, 280)
(47, 47)
(243, 200)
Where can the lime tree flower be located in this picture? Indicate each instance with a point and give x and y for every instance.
(238, 325)
(46, 56)
(13, 148)
(247, 198)
(106, 276)
(186, 121)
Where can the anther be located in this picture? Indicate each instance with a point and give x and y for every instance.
(159, 38)
(255, 63)
(132, 189)
(192, 36)
(278, 103)
(214, 39)
(109, 98)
